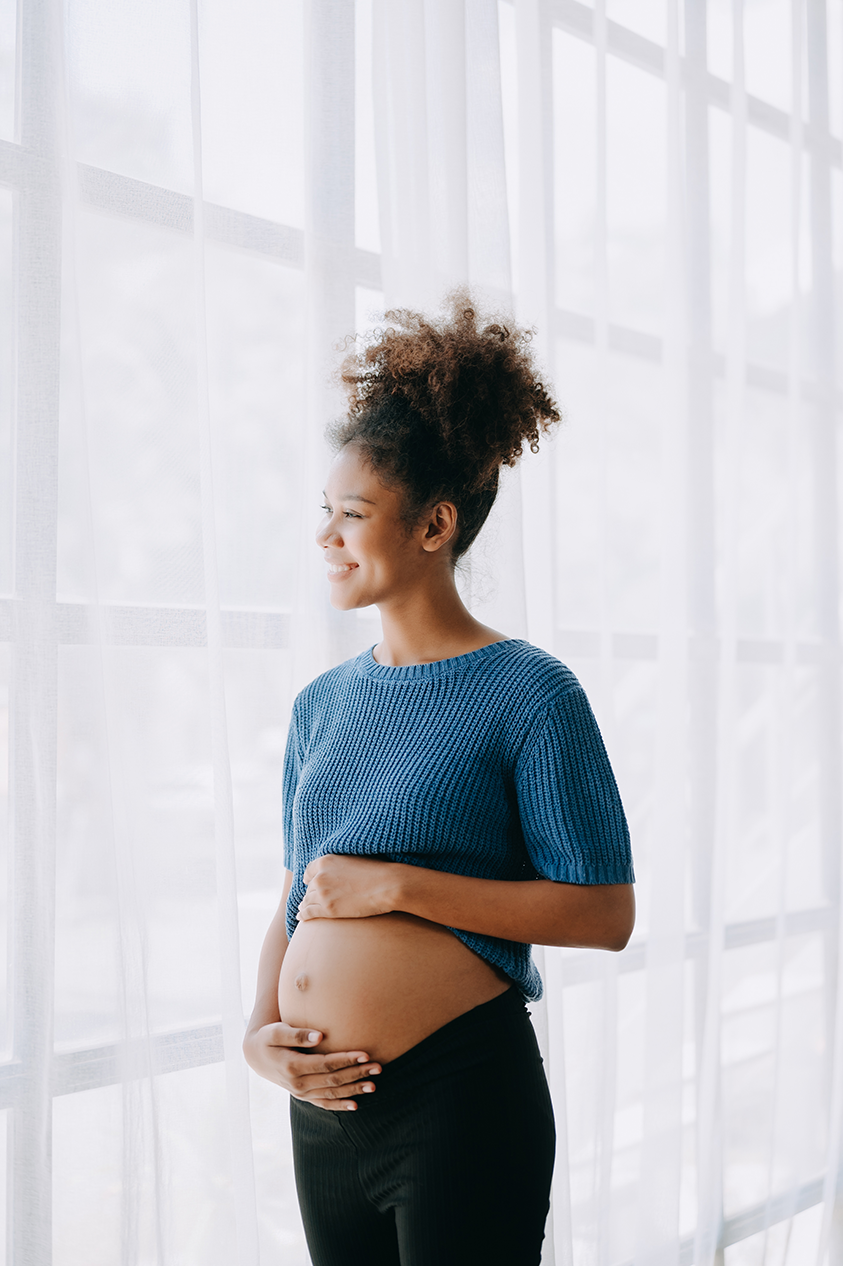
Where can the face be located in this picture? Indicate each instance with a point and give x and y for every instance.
(371, 557)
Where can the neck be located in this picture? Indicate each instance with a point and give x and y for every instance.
(430, 623)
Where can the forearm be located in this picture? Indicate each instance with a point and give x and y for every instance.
(539, 912)
(274, 948)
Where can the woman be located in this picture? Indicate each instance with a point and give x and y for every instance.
(448, 801)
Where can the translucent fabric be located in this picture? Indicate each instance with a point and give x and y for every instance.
(198, 203)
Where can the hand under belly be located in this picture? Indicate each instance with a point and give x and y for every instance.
(380, 984)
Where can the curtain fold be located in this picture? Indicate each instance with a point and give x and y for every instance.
(236, 1075)
(196, 211)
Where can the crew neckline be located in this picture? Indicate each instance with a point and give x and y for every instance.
(370, 667)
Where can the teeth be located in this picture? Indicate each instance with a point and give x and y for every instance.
(335, 567)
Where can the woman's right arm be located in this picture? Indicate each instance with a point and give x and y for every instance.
(326, 1080)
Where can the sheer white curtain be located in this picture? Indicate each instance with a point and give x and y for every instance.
(198, 202)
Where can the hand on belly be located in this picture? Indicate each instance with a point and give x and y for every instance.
(380, 984)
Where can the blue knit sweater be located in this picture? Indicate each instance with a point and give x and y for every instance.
(489, 764)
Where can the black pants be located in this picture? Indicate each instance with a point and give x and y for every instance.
(448, 1163)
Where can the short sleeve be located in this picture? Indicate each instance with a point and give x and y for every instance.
(571, 814)
(292, 769)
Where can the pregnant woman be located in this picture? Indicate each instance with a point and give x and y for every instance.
(448, 801)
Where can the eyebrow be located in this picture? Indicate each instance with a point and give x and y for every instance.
(351, 496)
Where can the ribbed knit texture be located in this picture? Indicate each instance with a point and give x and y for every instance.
(489, 764)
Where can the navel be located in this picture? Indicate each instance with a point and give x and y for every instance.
(301, 981)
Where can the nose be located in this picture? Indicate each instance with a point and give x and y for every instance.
(328, 532)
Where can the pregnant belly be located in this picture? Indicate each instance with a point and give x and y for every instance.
(381, 984)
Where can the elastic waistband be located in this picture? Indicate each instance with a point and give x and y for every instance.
(458, 1044)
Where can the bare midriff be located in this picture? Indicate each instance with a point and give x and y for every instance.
(380, 984)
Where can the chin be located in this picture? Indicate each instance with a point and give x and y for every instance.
(346, 602)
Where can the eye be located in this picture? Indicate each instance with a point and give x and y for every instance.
(346, 514)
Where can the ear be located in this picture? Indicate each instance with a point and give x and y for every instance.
(439, 527)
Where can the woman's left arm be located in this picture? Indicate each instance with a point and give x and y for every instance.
(534, 911)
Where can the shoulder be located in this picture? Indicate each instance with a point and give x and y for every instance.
(521, 685)
(532, 675)
(547, 698)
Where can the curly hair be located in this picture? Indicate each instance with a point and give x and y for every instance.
(438, 406)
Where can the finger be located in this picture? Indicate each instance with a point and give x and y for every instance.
(311, 869)
(333, 1085)
(334, 1105)
(284, 1035)
(306, 1063)
(308, 1078)
(309, 910)
(332, 1094)
(337, 1085)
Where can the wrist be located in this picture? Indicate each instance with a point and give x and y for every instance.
(259, 1020)
(405, 887)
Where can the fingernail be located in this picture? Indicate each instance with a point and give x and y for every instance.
(352, 1107)
(361, 1059)
(373, 1072)
(367, 1090)
(313, 1037)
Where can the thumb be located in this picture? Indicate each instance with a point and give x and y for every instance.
(282, 1034)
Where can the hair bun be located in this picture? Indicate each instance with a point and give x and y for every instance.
(441, 405)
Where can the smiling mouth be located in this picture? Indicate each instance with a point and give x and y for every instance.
(336, 569)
